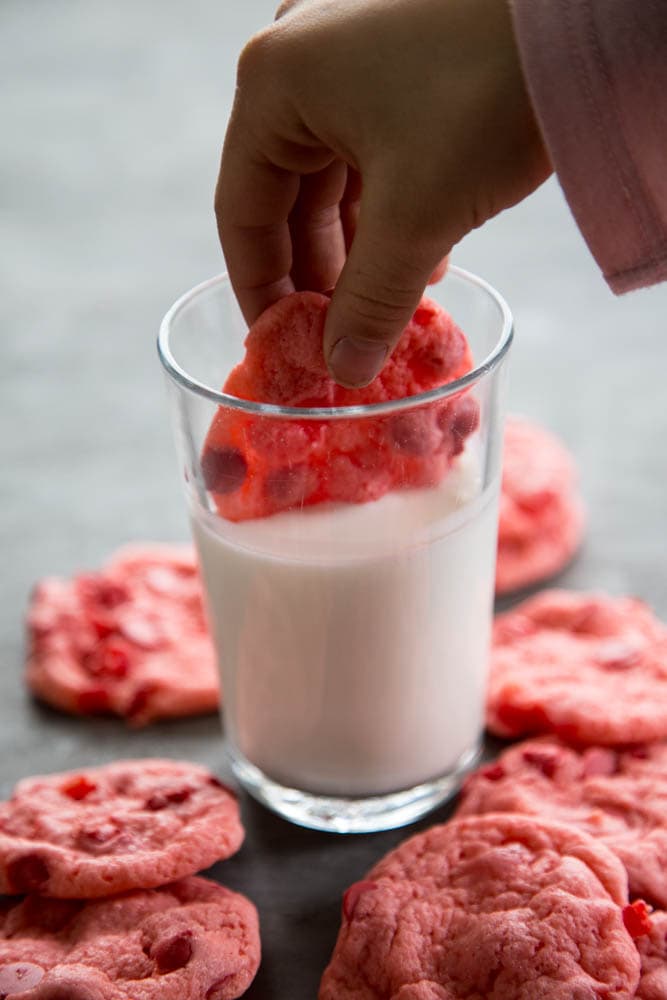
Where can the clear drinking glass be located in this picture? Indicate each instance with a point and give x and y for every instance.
(352, 638)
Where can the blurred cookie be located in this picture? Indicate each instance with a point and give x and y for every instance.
(130, 640)
(541, 513)
(590, 668)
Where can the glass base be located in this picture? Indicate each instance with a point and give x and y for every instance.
(350, 815)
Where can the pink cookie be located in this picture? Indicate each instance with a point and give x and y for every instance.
(487, 908)
(618, 797)
(587, 667)
(130, 640)
(541, 512)
(653, 952)
(186, 941)
(254, 467)
(98, 831)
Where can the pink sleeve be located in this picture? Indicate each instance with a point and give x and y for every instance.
(597, 74)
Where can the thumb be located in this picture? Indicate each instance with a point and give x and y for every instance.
(379, 289)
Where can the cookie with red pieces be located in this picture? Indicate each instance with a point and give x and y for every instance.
(130, 640)
(589, 668)
(619, 797)
(651, 939)
(541, 512)
(254, 466)
(104, 830)
(189, 940)
(499, 906)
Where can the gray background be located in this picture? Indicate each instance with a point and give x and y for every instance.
(111, 116)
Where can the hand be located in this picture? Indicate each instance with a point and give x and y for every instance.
(367, 138)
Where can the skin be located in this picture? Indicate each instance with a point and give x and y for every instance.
(367, 138)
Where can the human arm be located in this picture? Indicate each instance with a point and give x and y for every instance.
(597, 74)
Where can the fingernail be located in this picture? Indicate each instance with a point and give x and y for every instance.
(355, 363)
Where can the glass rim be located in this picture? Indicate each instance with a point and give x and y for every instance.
(186, 381)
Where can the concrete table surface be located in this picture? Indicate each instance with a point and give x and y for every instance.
(112, 118)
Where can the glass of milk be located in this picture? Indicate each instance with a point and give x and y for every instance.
(352, 638)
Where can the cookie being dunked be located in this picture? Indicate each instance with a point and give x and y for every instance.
(254, 467)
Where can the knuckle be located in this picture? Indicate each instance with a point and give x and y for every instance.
(382, 305)
(255, 58)
(416, 208)
(419, 223)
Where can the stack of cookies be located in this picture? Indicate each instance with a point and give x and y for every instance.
(102, 899)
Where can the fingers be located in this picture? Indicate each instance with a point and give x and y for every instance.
(316, 229)
(278, 188)
(253, 201)
(380, 286)
(279, 230)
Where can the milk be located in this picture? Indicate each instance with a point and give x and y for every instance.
(353, 638)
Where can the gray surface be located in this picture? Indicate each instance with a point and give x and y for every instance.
(112, 116)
